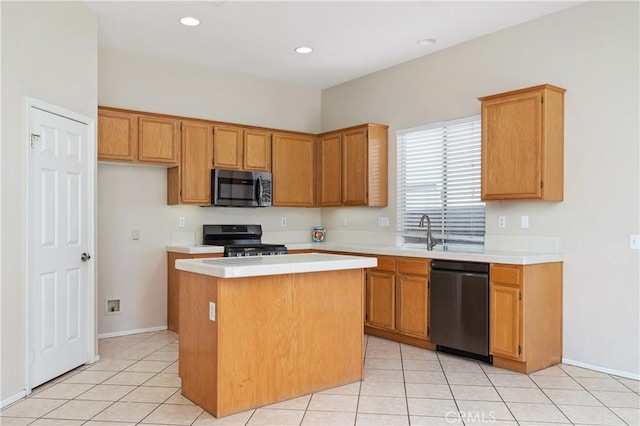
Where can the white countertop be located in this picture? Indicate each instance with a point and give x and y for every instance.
(235, 267)
(512, 258)
(195, 249)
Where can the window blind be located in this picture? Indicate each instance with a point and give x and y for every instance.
(439, 175)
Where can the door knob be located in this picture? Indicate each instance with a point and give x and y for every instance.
(85, 257)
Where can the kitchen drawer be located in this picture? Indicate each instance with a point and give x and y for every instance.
(413, 266)
(506, 274)
(386, 264)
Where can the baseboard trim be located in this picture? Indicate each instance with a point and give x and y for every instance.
(128, 332)
(13, 399)
(612, 371)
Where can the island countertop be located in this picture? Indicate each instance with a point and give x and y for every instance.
(254, 266)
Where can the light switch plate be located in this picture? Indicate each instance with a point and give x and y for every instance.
(634, 242)
(524, 222)
(502, 222)
(383, 221)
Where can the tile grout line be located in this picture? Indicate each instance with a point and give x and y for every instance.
(500, 395)
(441, 362)
(364, 360)
(598, 399)
(455, 401)
(404, 386)
(552, 401)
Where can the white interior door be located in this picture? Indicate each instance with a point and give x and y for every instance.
(59, 237)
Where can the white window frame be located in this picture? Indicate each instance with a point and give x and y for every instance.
(439, 175)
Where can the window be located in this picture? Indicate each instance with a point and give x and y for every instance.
(439, 175)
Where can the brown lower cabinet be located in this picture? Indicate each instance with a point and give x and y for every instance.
(525, 320)
(397, 300)
(525, 316)
(173, 286)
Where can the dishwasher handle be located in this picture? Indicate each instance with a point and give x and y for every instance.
(448, 265)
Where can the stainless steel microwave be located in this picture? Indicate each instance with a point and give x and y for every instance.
(234, 188)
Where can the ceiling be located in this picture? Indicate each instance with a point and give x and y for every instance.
(350, 38)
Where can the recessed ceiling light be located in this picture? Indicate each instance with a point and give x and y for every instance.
(304, 49)
(189, 21)
(426, 42)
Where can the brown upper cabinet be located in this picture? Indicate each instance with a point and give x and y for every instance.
(523, 144)
(256, 150)
(346, 167)
(352, 166)
(158, 140)
(237, 148)
(329, 176)
(117, 136)
(137, 138)
(190, 182)
(292, 156)
(227, 147)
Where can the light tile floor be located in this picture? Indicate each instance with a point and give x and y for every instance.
(136, 382)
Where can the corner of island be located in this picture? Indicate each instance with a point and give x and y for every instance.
(263, 329)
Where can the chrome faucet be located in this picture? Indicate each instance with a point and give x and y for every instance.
(431, 242)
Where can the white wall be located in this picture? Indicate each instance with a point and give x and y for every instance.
(49, 52)
(134, 197)
(592, 50)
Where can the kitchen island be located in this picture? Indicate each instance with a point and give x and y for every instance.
(258, 330)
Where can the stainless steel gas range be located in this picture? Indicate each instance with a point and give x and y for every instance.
(240, 240)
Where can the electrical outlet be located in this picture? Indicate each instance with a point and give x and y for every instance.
(212, 311)
(524, 222)
(502, 222)
(283, 222)
(634, 242)
(135, 234)
(182, 222)
(383, 221)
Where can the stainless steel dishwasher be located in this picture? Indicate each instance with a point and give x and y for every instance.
(459, 308)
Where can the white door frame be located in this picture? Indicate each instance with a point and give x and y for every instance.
(92, 355)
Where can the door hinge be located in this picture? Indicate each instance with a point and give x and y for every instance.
(519, 295)
(34, 139)
(519, 349)
(541, 184)
(181, 126)
(541, 99)
(428, 331)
